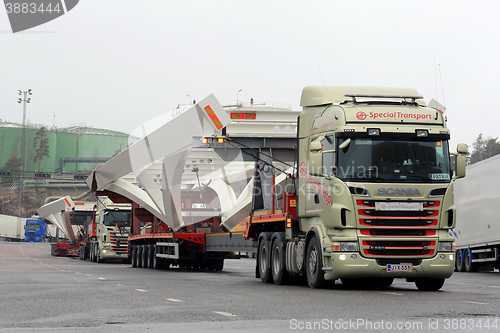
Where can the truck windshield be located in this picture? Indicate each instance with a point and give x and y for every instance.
(112, 217)
(396, 160)
(32, 227)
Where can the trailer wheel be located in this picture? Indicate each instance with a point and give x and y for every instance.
(138, 253)
(263, 260)
(469, 265)
(429, 284)
(144, 256)
(278, 268)
(459, 261)
(156, 262)
(314, 264)
(151, 256)
(82, 252)
(133, 256)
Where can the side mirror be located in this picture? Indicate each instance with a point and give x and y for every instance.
(460, 166)
(462, 149)
(315, 146)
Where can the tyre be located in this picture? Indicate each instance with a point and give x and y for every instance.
(157, 262)
(133, 256)
(429, 284)
(144, 256)
(314, 264)
(151, 255)
(263, 260)
(139, 255)
(219, 265)
(278, 265)
(459, 261)
(82, 252)
(98, 258)
(469, 265)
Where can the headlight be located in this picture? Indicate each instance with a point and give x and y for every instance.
(446, 247)
(106, 247)
(345, 247)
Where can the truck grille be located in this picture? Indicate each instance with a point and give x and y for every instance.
(119, 243)
(416, 230)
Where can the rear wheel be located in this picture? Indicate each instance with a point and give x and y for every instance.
(144, 256)
(429, 284)
(314, 264)
(459, 261)
(469, 265)
(263, 261)
(219, 265)
(151, 256)
(133, 256)
(98, 258)
(138, 254)
(278, 268)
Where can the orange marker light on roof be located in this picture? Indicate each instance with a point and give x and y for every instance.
(204, 140)
(438, 143)
(220, 140)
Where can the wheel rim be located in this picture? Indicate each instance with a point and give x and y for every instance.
(263, 259)
(276, 260)
(459, 260)
(313, 261)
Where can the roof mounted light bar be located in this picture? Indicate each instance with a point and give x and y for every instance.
(412, 97)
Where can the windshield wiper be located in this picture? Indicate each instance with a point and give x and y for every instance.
(373, 178)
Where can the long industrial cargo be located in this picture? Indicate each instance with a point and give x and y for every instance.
(478, 216)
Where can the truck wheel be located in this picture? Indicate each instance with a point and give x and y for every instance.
(151, 256)
(429, 284)
(469, 265)
(314, 264)
(278, 268)
(157, 262)
(144, 256)
(133, 256)
(263, 261)
(98, 258)
(219, 265)
(459, 261)
(94, 248)
(139, 255)
(82, 252)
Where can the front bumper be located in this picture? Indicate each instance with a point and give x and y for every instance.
(336, 268)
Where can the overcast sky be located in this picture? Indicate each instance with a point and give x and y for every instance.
(115, 64)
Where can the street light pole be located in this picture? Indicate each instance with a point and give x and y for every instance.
(24, 148)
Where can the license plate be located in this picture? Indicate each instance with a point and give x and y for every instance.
(123, 255)
(397, 268)
(418, 206)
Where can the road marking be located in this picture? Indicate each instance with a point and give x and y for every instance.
(102, 279)
(88, 274)
(119, 284)
(142, 290)
(397, 294)
(227, 314)
(174, 300)
(474, 285)
(471, 302)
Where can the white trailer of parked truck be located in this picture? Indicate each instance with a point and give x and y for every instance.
(478, 216)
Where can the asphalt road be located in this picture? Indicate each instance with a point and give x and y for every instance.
(61, 294)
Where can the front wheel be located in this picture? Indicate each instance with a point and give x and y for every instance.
(429, 284)
(314, 264)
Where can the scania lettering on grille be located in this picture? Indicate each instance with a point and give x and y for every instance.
(397, 191)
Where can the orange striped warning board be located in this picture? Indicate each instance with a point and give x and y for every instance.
(247, 115)
(213, 117)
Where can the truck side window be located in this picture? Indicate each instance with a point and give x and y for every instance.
(328, 155)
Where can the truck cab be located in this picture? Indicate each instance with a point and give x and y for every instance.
(109, 231)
